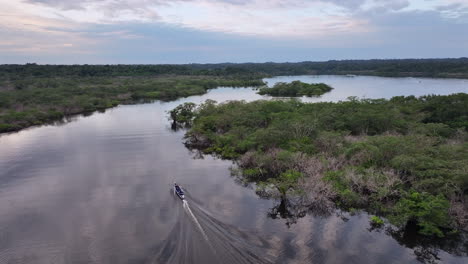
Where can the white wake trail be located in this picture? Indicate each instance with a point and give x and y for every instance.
(195, 220)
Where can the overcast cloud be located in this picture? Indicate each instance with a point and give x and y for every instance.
(185, 31)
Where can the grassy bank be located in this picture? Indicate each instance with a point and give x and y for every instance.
(405, 158)
(38, 100)
(296, 88)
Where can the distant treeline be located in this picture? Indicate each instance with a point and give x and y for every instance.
(457, 68)
(33, 94)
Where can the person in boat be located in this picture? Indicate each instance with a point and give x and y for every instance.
(178, 189)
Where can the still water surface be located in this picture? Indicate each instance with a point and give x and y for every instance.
(98, 190)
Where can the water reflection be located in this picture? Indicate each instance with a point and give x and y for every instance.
(288, 209)
(215, 241)
(377, 87)
(96, 189)
(427, 250)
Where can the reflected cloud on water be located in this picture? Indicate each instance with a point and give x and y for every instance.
(97, 189)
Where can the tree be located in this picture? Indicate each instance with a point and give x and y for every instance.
(183, 114)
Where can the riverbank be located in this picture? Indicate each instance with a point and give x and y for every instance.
(36, 101)
(403, 158)
(33, 94)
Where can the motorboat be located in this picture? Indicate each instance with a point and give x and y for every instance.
(178, 190)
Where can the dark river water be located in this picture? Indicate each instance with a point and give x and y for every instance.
(98, 189)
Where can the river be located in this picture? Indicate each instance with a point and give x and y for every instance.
(98, 189)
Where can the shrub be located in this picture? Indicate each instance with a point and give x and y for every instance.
(430, 212)
(376, 221)
(183, 114)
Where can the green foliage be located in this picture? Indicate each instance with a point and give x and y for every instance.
(4, 100)
(347, 197)
(376, 221)
(183, 114)
(378, 150)
(444, 110)
(285, 181)
(303, 144)
(296, 88)
(373, 152)
(7, 128)
(396, 67)
(37, 99)
(251, 172)
(429, 211)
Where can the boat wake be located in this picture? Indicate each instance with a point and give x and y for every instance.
(199, 237)
(195, 220)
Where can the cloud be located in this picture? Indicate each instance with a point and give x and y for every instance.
(61, 4)
(268, 18)
(454, 10)
(181, 31)
(300, 18)
(394, 5)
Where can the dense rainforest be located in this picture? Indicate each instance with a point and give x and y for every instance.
(405, 158)
(35, 94)
(39, 100)
(453, 68)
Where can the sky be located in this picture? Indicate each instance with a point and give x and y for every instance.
(214, 31)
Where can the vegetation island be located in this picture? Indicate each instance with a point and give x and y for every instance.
(41, 100)
(296, 88)
(33, 94)
(405, 159)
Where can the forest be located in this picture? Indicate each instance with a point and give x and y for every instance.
(451, 68)
(34, 94)
(404, 159)
(35, 101)
(295, 88)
